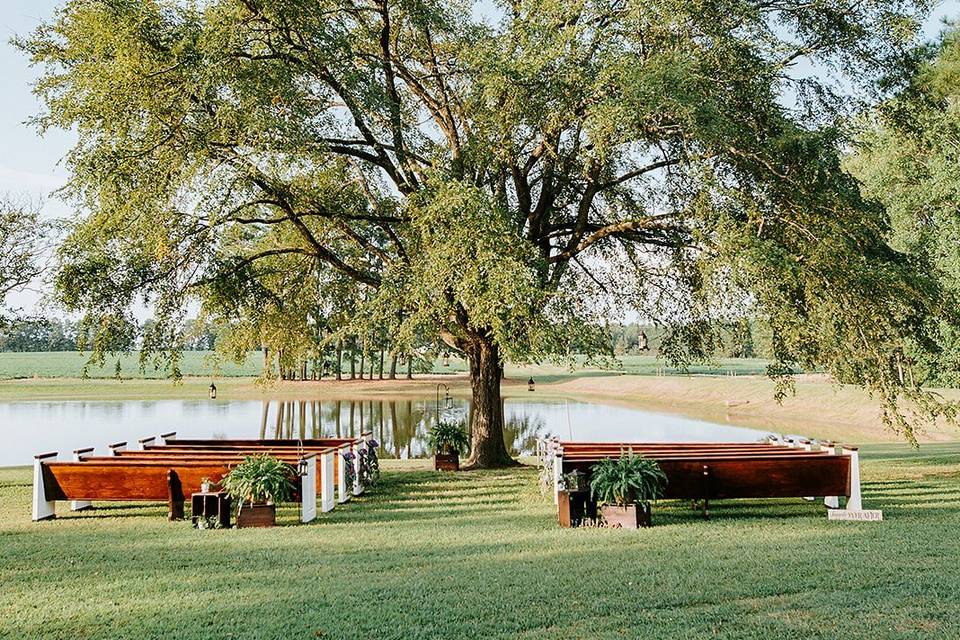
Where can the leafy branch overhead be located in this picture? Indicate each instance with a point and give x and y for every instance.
(502, 185)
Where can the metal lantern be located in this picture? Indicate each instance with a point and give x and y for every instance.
(446, 359)
(447, 399)
(530, 384)
(213, 391)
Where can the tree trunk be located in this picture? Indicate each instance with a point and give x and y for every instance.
(363, 358)
(487, 449)
(267, 363)
(380, 371)
(340, 359)
(353, 360)
(410, 367)
(393, 366)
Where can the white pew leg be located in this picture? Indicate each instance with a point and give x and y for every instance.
(327, 500)
(308, 491)
(43, 509)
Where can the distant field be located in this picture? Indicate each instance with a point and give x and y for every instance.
(70, 364)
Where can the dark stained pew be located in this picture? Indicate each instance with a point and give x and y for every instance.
(708, 471)
(113, 478)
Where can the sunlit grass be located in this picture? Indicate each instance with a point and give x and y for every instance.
(479, 555)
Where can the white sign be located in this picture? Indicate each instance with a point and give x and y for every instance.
(868, 515)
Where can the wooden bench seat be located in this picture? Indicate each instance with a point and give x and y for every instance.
(114, 478)
(705, 471)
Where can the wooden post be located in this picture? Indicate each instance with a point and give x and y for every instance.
(706, 492)
(80, 505)
(174, 496)
(43, 509)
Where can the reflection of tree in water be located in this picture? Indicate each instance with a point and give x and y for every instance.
(520, 433)
(401, 426)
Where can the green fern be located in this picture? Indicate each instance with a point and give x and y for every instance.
(627, 479)
(260, 479)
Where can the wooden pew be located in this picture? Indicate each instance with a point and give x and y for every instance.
(705, 471)
(114, 478)
(356, 446)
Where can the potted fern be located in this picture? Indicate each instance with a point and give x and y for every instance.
(256, 485)
(624, 488)
(448, 440)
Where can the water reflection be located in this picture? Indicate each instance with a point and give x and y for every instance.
(401, 425)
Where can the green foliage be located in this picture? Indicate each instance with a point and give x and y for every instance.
(22, 236)
(907, 159)
(259, 479)
(627, 479)
(500, 188)
(448, 437)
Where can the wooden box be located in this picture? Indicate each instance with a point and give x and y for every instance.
(446, 462)
(574, 507)
(211, 505)
(257, 515)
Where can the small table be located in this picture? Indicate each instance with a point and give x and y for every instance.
(211, 505)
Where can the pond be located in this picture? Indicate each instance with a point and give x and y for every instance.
(400, 424)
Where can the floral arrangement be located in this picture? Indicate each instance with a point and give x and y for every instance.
(373, 459)
(348, 473)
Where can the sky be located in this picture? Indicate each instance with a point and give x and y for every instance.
(30, 165)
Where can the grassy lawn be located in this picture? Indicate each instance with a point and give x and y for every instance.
(478, 555)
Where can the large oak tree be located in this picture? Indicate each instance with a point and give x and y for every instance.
(490, 182)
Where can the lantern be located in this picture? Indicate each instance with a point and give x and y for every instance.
(213, 391)
(530, 384)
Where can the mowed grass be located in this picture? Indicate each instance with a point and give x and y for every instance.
(479, 555)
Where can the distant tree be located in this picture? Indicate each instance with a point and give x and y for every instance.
(491, 186)
(907, 157)
(38, 334)
(22, 235)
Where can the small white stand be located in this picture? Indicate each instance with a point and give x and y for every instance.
(308, 490)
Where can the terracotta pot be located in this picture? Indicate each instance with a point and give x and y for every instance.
(631, 516)
(257, 515)
(446, 461)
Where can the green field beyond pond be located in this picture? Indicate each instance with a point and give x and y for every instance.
(479, 555)
(70, 364)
